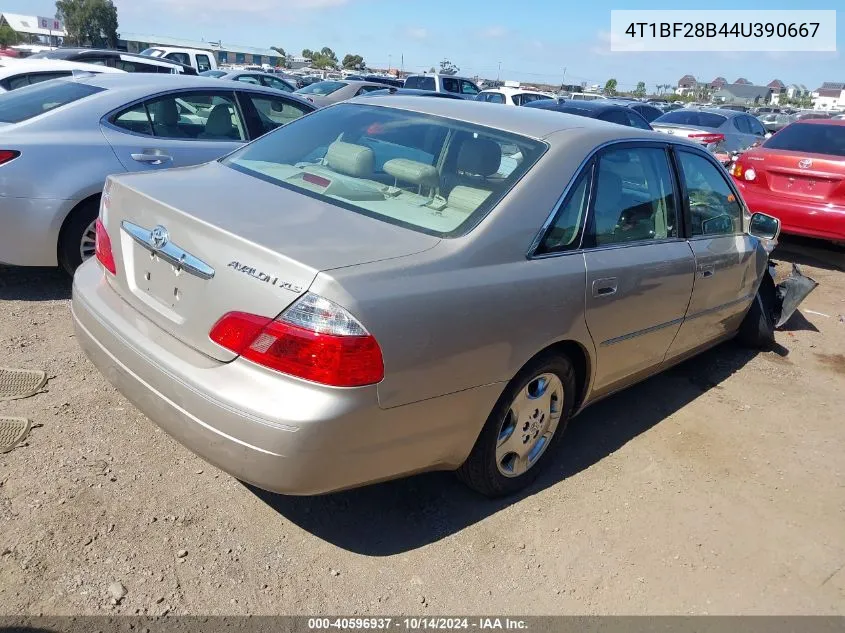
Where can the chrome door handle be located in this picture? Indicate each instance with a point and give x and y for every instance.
(605, 287)
(152, 159)
(706, 271)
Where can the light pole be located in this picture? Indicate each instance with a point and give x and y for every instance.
(389, 62)
(499, 74)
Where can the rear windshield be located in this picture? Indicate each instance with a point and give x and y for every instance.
(426, 173)
(213, 73)
(683, 117)
(153, 52)
(420, 83)
(810, 138)
(322, 88)
(31, 101)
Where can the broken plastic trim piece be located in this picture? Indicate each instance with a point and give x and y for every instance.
(790, 293)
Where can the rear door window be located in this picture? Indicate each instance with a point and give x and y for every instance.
(634, 198)
(741, 124)
(249, 79)
(209, 116)
(615, 116)
(278, 84)
(450, 84)
(135, 120)
(22, 105)
(182, 58)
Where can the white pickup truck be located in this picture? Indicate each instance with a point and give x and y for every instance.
(200, 59)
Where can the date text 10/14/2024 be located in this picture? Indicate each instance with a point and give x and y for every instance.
(416, 624)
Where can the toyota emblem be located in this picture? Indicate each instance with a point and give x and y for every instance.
(805, 163)
(159, 237)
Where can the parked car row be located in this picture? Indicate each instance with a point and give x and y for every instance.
(313, 311)
(308, 303)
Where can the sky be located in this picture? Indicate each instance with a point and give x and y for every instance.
(531, 41)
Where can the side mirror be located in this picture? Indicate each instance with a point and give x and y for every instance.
(764, 226)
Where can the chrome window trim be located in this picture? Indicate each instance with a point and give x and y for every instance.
(535, 243)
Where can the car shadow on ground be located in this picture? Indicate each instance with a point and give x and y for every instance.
(406, 514)
(810, 252)
(33, 284)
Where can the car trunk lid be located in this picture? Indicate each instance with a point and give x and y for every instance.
(815, 177)
(226, 242)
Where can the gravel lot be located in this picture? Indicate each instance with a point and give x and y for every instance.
(717, 487)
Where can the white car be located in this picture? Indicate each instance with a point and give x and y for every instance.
(17, 73)
(511, 96)
(200, 59)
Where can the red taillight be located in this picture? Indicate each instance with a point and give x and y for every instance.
(8, 154)
(305, 351)
(103, 248)
(707, 139)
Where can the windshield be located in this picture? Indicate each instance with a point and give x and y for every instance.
(153, 52)
(212, 73)
(692, 117)
(31, 101)
(322, 88)
(427, 173)
(810, 138)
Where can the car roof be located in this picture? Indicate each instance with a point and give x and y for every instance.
(840, 122)
(532, 122)
(598, 106)
(440, 75)
(64, 53)
(388, 90)
(512, 90)
(154, 82)
(720, 111)
(27, 65)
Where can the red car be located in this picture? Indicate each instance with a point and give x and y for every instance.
(798, 176)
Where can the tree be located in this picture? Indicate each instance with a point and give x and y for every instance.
(640, 89)
(279, 50)
(8, 36)
(353, 62)
(89, 22)
(432, 70)
(448, 68)
(610, 87)
(324, 58)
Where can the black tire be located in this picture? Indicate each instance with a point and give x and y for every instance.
(480, 471)
(758, 328)
(72, 232)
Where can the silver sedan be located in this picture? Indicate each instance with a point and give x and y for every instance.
(325, 93)
(253, 77)
(61, 139)
(389, 286)
(718, 129)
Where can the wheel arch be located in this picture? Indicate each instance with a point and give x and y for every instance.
(581, 361)
(93, 198)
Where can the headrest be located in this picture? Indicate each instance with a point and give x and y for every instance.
(166, 112)
(479, 156)
(412, 171)
(350, 159)
(467, 199)
(219, 121)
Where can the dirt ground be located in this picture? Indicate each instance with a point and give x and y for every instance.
(717, 487)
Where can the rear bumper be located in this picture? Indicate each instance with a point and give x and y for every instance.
(274, 431)
(798, 217)
(29, 230)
